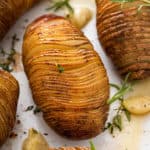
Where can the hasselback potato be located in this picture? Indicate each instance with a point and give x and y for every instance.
(9, 91)
(67, 78)
(10, 11)
(124, 31)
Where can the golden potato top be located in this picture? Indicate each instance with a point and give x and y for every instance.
(67, 78)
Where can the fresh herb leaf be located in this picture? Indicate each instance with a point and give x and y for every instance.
(92, 147)
(146, 1)
(2, 52)
(126, 79)
(123, 1)
(141, 6)
(37, 110)
(60, 4)
(14, 40)
(8, 58)
(127, 114)
(60, 68)
(110, 127)
(117, 87)
(71, 10)
(119, 95)
(6, 67)
(117, 121)
(29, 108)
(121, 90)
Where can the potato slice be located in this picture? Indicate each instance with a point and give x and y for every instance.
(138, 105)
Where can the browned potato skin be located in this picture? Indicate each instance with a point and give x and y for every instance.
(73, 102)
(10, 11)
(9, 91)
(125, 35)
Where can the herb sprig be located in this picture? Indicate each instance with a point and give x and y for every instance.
(60, 68)
(117, 119)
(60, 4)
(8, 58)
(122, 1)
(14, 40)
(147, 3)
(116, 122)
(36, 110)
(92, 147)
(29, 108)
(121, 90)
(141, 6)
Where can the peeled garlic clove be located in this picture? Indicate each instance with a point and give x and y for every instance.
(35, 141)
(137, 105)
(81, 17)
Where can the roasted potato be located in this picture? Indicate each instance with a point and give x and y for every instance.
(124, 31)
(9, 91)
(68, 80)
(10, 11)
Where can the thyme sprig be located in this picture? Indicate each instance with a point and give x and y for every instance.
(116, 122)
(14, 40)
(36, 110)
(60, 4)
(29, 108)
(121, 90)
(8, 58)
(122, 1)
(60, 68)
(141, 6)
(92, 147)
(147, 3)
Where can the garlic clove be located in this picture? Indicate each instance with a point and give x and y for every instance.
(35, 141)
(138, 105)
(81, 17)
